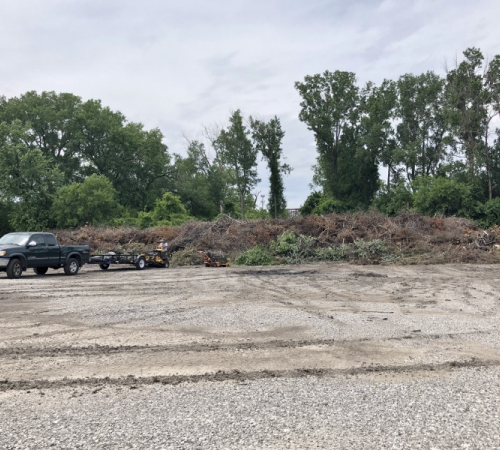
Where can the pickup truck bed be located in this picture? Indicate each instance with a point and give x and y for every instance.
(40, 251)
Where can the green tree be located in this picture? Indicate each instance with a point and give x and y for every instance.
(236, 150)
(312, 200)
(467, 110)
(422, 124)
(135, 160)
(377, 137)
(5, 212)
(268, 138)
(200, 182)
(329, 107)
(169, 210)
(91, 202)
(49, 121)
(441, 195)
(28, 179)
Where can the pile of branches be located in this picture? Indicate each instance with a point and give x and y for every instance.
(416, 238)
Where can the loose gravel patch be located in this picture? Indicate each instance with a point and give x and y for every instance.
(446, 411)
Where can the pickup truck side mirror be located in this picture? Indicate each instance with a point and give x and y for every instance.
(31, 244)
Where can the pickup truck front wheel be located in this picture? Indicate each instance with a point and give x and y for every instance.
(71, 267)
(40, 270)
(14, 269)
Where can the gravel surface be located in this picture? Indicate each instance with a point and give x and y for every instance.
(315, 356)
(457, 410)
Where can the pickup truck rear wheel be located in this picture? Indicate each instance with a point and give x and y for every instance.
(14, 269)
(40, 270)
(71, 267)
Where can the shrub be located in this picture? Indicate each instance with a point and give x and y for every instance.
(286, 244)
(443, 196)
(293, 248)
(91, 202)
(394, 200)
(169, 210)
(369, 249)
(311, 202)
(330, 205)
(256, 256)
(487, 214)
(333, 253)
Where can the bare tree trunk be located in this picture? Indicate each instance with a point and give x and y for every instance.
(388, 176)
(488, 165)
(242, 204)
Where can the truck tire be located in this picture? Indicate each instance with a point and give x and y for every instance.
(140, 263)
(71, 267)
(40, 270)
(14, 269)
(104, 266)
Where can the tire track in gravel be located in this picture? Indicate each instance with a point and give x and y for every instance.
(283, 291)
(28, 352)
(241, 376)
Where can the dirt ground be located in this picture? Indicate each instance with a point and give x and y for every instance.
(124, 326)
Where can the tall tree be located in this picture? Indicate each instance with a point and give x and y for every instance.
(268, 138)
(467, 110)
(135, 160)
(377, 140)
(329, 108)
(237, 151)
(473, 94)
(91, 202)
(422, 123)
(201, 182)
(29, 179)
(49, 119)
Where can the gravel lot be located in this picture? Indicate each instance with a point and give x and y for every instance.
(311, 356)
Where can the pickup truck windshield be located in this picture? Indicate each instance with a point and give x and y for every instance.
(14, 238)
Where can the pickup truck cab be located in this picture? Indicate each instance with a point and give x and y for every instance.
(40, 251)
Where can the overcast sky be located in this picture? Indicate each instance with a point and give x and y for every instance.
(183, 65)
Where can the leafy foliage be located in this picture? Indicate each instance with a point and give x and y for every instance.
(92, 202)
(28, 179)
(267, 138)
(256, 256)
(237, 151)
(442, 196)
(292, 248)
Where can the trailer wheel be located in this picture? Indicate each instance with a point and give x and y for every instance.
(104, 266)
(40, 270)
(71, 267)
(14, 269)
(166, 264)
(140, 263)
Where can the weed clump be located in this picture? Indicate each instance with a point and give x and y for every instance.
(256, 256)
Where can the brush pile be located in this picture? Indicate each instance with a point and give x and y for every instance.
(413, 238)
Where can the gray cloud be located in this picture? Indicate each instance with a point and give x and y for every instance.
(181, 65)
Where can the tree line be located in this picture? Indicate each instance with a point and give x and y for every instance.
(435, 136)
(65, 162)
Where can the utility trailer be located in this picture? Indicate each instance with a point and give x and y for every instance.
(156, 258)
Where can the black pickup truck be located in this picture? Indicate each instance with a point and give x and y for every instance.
(40, 251)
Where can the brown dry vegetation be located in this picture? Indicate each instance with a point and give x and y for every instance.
(414, 238)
